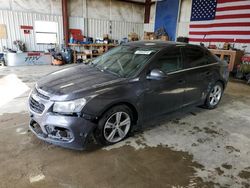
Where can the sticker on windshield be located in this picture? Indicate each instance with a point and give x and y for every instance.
(141, 52)
(150, 44)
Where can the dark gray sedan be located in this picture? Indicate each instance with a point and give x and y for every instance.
(122, 89)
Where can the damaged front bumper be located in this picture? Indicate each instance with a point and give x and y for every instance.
(66, 131)
(63, 130)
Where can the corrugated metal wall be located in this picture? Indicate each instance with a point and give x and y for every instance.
(13, 21)
(90, 27)
(96, 27)
(122, 29)
(76, 23)
(149, 27)
(184, 18)
(119, 29)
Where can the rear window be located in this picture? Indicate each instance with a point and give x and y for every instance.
(212, 58)
(195, 56)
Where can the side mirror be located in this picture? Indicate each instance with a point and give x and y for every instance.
(156, 74)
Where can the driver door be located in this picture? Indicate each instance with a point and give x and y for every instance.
(165, 94)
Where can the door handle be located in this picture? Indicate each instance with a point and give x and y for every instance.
(148, 91)
(181, 82)
(208, 73)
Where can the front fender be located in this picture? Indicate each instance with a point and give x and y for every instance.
(123, 94)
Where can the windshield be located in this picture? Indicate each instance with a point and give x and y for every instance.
(124, 61)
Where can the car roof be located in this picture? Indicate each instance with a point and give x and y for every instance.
(157, 44)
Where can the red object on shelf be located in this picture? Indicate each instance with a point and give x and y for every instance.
(245, 58)
(212, 46)
(76, 34)
(75, 31)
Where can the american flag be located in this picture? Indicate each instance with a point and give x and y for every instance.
(220, 21)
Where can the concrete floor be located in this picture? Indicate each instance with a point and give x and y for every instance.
(198, 148)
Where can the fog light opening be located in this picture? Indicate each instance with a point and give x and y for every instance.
(36, 127)
(62, 133)
(59, 133)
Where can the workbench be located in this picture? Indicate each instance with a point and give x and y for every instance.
(233, 56)
(77, 49)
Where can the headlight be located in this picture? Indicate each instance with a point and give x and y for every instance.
(69, 106)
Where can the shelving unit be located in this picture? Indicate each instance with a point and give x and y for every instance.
(233, 56)
(79, 49)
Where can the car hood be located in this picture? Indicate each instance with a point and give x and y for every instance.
(75, 82)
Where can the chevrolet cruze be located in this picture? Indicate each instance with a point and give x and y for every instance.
(122, 89)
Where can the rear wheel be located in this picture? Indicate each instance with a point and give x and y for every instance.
(214, 96)
(114, 125)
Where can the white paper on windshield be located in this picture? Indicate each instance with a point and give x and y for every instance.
(142, 52)
(150, 44)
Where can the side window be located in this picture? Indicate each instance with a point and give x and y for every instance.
(170, 61)
(195, 57)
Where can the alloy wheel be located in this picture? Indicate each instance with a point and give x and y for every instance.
(117, 127)
(215, 95)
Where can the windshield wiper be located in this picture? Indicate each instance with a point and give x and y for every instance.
(99, 68)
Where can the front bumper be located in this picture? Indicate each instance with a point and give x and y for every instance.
(62, 130)
(79, 128)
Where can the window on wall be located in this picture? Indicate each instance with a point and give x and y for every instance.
(46, 32)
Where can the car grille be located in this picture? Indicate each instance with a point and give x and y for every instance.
(41, 95)
(36, 106)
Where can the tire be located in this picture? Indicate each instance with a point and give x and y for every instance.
(108, 130)
(214, 96)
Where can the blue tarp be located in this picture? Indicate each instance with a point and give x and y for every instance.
(166, 16)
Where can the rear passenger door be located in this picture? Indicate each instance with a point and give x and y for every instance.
(199, 73)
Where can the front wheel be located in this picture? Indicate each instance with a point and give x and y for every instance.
(114, 125)
(214, 96)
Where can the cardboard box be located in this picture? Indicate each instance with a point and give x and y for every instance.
(149, 36)
(164, 38)
(133, 37)
(3, 31)
(152, 37)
